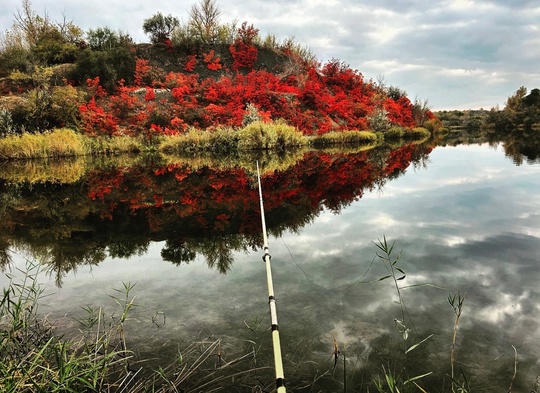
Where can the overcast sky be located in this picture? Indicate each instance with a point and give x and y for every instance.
(458, 54)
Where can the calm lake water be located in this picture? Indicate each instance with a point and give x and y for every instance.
(466, 219)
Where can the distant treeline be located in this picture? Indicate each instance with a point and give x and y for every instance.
(521, 112)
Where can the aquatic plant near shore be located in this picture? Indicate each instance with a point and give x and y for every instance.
(398, 381)
(33, 359)
(456, 301)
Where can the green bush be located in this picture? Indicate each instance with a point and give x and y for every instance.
(14, 58)
(418, 133)
(344, 137)
(269, 135)
(7, 126)
(433, 125)
(54, 50)
(109, 66)
(395, 132)
(65, 106)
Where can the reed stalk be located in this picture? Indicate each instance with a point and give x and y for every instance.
(456, 302)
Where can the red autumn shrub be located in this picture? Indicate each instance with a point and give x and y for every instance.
(142, 71)
(243, 50)
(94, 88)
(150, 94)
(123, 102)
(191, 62)
(96, 121)
(213, 62)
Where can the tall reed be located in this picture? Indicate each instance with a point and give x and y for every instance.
(398, 381)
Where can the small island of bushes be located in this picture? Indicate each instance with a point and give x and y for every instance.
(198, 85)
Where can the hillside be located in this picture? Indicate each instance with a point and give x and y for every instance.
(102, 83)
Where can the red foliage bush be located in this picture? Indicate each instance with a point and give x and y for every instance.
(123, 102)
(191, 62)
(243, 50)
(94, 88)
(95, 121)
(331, 97)
(142, 71)
(213, 62)
(150, 94)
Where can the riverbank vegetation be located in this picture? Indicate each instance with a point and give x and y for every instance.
(521, 112)
(517, 126)
(198, 76)
(98, 359)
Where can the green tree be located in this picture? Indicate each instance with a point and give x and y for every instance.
(50, 42)
(160, 27)
(395, 92)
(109, 65)
(514, 101)
(204, 21)
(52, 47)
(105, 38)
(14, 56)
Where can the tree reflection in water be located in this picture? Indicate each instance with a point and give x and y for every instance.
(197, 209)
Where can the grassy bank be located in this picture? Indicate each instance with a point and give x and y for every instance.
(64, 142)
(276, 136)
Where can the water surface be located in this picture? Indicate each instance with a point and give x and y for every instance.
(464, 218)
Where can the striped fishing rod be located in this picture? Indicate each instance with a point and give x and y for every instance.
(278, 363)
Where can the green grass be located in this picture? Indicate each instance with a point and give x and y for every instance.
(344, 137)
(63, 142)
(32, 359)
(417, 133)
(258, 135)
(278, 135)
(223, 140)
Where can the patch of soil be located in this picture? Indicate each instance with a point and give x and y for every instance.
(174, 59)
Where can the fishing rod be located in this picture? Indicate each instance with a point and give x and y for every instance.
(278, 363)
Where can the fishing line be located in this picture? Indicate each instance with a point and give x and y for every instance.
(319, 285)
